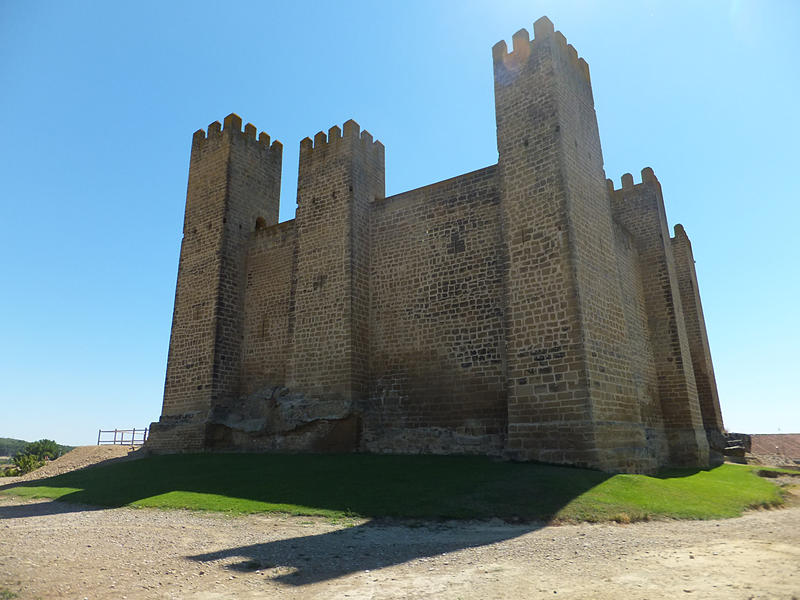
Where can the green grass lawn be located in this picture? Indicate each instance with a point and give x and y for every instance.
(406, 486)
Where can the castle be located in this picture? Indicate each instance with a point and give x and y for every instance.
(530, 309)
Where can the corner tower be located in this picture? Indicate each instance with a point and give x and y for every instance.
(340, 175)
(234, 181)
(571, 397)
(640, 209)
(697, 335)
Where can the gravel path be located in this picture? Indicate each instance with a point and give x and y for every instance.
(56, 550)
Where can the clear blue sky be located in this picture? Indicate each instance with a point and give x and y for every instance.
(100, 99)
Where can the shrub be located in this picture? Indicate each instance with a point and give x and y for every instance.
(9, 472)
(26, 463)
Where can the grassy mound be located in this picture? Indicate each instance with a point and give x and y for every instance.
(407, 486)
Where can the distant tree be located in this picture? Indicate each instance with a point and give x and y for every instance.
(10, 446)
(43, 450)
(35, 454)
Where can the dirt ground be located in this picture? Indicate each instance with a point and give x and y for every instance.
(56, 550)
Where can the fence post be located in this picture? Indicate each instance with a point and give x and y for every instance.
(99, 431)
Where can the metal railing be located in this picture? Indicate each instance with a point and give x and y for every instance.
(122, 437)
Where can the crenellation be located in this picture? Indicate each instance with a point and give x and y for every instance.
(542, 28)
(232, 126)
(648, 176)
(526, 310)
(584, 67)
(521, 45)
(351, 129)
(198, 137)
(627, 181)
(341, 140)
(499, 51)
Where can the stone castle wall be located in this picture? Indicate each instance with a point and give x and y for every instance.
(269, 307)
(527, 310)
(436, 320)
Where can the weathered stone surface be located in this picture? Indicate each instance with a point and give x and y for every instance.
(527, 309)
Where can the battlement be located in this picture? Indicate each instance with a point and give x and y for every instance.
(349, 136)
(648, 176)
(680, 232)
(522, 46)
(232, 128)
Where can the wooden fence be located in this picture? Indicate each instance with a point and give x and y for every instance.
(122, 437)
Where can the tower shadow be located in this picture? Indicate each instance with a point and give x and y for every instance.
(367, 547)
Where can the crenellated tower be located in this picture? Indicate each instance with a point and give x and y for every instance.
(696, 332)
(639, 208)
(571, 396)
(234, 183)
(339, 176)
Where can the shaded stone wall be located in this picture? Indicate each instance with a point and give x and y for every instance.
(269, 307)
(640, 345)
(436, 328)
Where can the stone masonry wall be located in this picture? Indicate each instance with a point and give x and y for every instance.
(339, 176)
(640, 210)
(696, 330)
(619, 436)
(269, 307)
(549, 415)
(640, 345)
(436, 328)
(253, 194)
